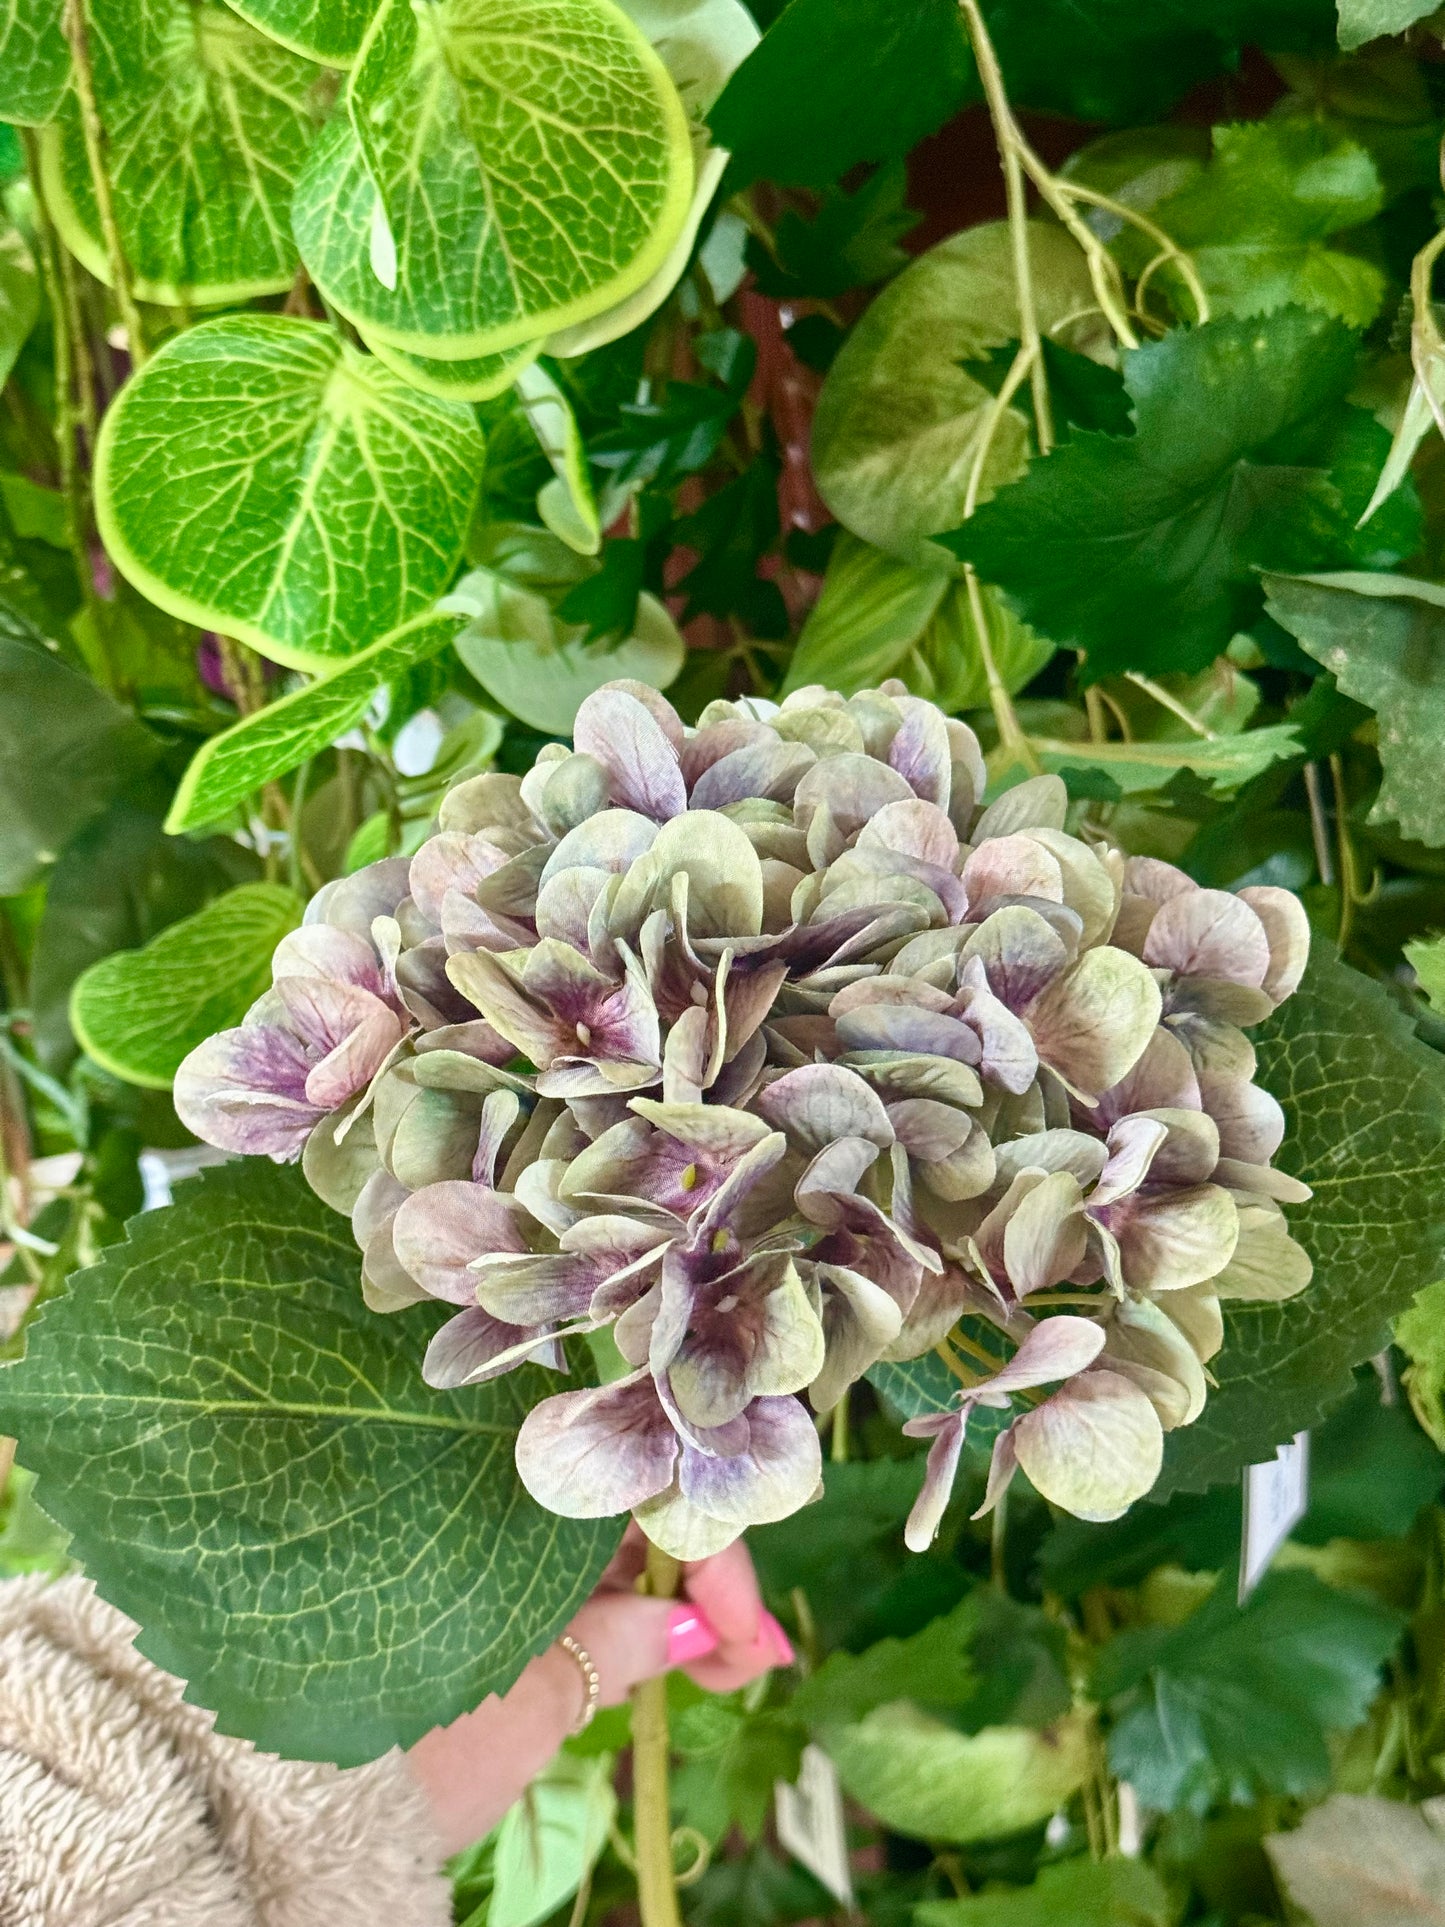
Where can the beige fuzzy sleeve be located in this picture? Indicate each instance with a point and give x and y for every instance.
(120, 1806)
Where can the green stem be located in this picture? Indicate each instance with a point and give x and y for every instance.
(1171, 703)
(1010, 731)
(77, 33)
(840, 1431)
(1005, 133)
(651, 1802)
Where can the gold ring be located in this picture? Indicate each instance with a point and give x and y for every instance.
(591, 1680)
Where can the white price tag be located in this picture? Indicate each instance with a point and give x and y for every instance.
(1276, 1498)
(810, 1823)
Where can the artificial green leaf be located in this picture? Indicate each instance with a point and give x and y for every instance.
(1085, 1893)
(262, 478)
(478, 379)
(840, 81)
(872, 611)
(66, 750)
(326, 30)
(900, 418)
(139, 1012)
(606, 603)
(1364, 1105)
(444, 211)
(567, 504)
(851, 242)
(1116, 61)
(542, 669)
(1239, 1701)
(933, 1668)
(1364, 1861)
(701, 43)
(206, 123)
(1257, 221)
(334, 1555)
(931, 1782)
(1362, 20)
(1223, 763)
(658, 441)
(1382, 638)
(37, 513)
(19, 293)
(1420, 1334)
(1372, 1469)
(1142, 549)
(731, 532)
(915, 1386)
(119, 882)
(29, 1542)
(280, 737)
(549, 1842)
(34, 61)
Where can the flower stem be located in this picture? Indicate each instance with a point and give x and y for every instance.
(77, 33)
(651, 1805)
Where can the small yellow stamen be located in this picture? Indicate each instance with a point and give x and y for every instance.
(584, 1035)
(688, 1180)
(720, 1242)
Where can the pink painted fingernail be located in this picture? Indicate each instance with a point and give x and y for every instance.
(690, 1635)
(781, 1644)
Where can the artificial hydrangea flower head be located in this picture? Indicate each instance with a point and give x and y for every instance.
(765, 1046)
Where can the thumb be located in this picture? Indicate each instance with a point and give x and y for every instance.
(632, 1638)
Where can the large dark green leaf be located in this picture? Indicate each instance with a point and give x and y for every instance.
(118, 883)
(34, 60)
(1364, 1102)
(1142, 549)
(1238, 1702)
(840, 81)
(335, 1556)
(66, 750)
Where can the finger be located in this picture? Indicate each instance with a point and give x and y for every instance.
(726, 1588)
(736, 1665)
(627, 1637)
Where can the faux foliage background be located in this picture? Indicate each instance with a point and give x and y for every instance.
(291, 359)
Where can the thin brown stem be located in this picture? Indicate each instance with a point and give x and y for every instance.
(77, 32)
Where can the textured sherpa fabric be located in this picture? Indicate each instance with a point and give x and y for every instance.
(120, 1806)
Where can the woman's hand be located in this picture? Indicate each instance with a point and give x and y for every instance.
(717, 1631)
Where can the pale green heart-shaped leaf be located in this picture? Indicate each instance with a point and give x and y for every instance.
(542, 669)
(898, 422)
(567, 504)
(1364, 1861)
(280, 737)
(1381, 638)
(19, 294)
(206, 123)
(334, 1555)
(262, 478)
(1083, 1893)
(34, 61)
(477, 379)
(139, 1012)
(871, 612)
(931, 1782)
(326, 30)
(701, 43)
(532, 162)
(549, 1842)
(1225, 763)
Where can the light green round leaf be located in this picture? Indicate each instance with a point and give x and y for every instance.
(478, 379)
(502, 170)
(262, 478)
(206, 124)
(34, 61)
(701, 43)
(898, 421)
(931, 1782)
(19, 295)
(549, 1842)
(335, 1557)
(326, 30)
(139, 1012)
(541, 669)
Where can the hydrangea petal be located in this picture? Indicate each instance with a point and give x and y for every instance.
(593, 1453)
(1092, 1024)
(1094, 1447)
